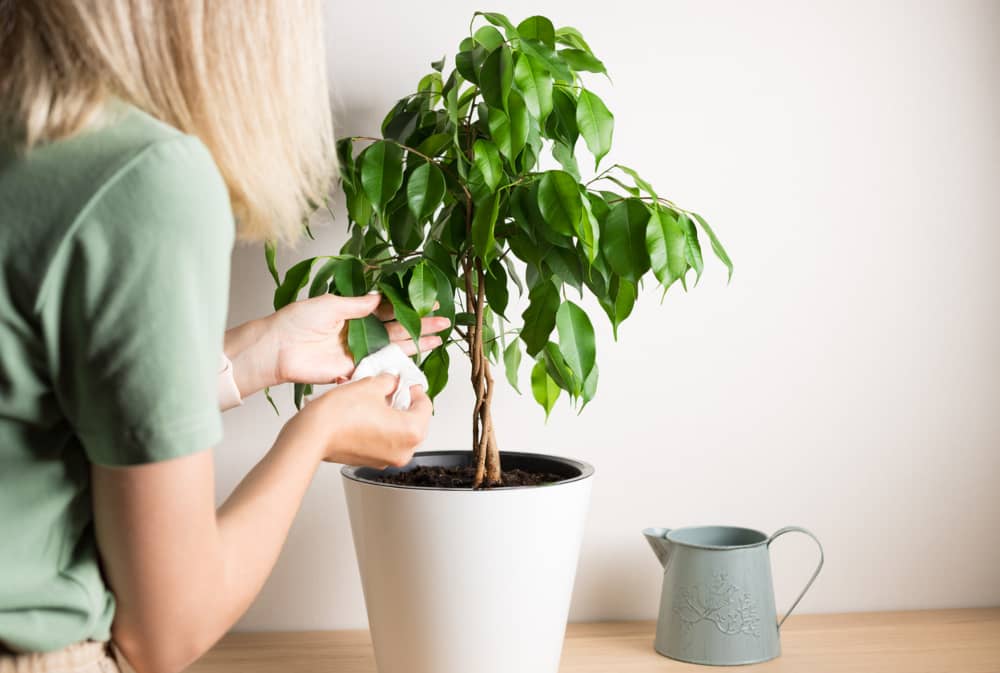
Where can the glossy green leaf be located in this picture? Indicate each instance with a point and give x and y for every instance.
(589, 387)
(366, 335)
(498, 20)
(565, 265)
(435, 367)
(496, 76)
(576, 339)
(489, 37)
(619, 301)
(535, 83)
(559, 201)
(540, 316)
(564, 155)
(483, 222)
(548, 58)
(623, 239)
(424, 190)
(572, 37)
(469, 63)
(321, 281)
(639, 182)
(538, 28)
(405, 314)
(438, 65)
(349, 278)
(509, 130)
(596, 124)
(588, 230)
(666, 245)
(497, 292)
(270, 252)
(564, 110)
(422, 289)
(296, 278)
(381, 173)
(512, 363)
(582, 61)
(543, 388)
(692, 248)
(559, 370)
(445, 299)
(486, 158)
(717, 248)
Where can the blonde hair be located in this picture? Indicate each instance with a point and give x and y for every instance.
(246, 77)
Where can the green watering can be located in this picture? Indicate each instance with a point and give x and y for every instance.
(717, 605)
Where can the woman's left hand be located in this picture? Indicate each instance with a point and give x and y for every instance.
(306, 341)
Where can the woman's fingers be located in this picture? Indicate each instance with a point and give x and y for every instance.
(429, 325)
(427, 343)
(356, 307)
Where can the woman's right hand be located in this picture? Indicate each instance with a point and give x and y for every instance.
(355, 424)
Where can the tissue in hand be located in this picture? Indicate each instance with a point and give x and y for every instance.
(392, 360)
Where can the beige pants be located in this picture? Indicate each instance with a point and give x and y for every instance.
(88, 657)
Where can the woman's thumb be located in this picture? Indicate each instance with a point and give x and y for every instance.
(358, 307)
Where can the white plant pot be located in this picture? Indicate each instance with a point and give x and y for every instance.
(462, 581)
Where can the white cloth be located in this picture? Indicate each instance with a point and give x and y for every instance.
(228, 392)
(392, 360)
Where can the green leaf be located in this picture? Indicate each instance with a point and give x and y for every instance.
(564, 155)
(498, 20)
(469, 62)
(564, 109)
(666, 245)
(497, 293)
(489, 37)
(548, 58)
(639, 182)
(425, 190)
(270, 251)
(438, 65)
(496, 76)
(692, 249)
(445, 299)
(509, 130)
(559, 369)
(349, 278)
(434, 144)
(295, 279)
(565, 265)
(487, 159)
(576, 339)
(483, 222)
(540, 316)
(381, 173)
(623, 239)
(559, 201)
(422, 289)
(270, 400)
(405, 314)
(582, 61)
(366, 335)
(589, 230)
(589, 387)
(435, 368)
(596, 124)
(512, 363)
(571, 37)
(300, 391)
(538, 28)
(535, 83)
(321, 281)
(618, 302)
(717, 248)
(544, 389)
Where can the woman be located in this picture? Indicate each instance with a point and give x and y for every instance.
(131, 133)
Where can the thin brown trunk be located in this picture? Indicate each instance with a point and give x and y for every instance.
(486, 455)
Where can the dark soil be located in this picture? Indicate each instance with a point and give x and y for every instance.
(462, 477)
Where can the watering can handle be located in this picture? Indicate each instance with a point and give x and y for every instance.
(796, 529)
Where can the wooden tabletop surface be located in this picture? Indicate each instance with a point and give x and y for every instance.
(932, 641)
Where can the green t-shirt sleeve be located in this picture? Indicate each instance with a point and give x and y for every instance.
(142, 291)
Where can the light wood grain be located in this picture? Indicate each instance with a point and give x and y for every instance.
(932, 641)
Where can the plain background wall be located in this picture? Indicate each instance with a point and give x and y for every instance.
(848, 153)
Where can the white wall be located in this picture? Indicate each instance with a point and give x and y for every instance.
(847, 380)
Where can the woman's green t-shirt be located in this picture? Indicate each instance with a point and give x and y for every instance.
(114, 249)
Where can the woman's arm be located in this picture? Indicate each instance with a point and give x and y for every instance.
(183, 572)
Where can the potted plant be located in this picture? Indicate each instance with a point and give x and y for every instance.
(468, 558)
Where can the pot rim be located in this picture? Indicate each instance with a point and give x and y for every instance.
(586, 472)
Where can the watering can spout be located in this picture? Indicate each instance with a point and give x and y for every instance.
(657, 538)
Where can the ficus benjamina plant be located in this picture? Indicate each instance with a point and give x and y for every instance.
(450, 210)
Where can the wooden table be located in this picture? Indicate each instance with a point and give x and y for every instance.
(933, 641)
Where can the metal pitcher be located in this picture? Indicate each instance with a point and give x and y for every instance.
(717, 605)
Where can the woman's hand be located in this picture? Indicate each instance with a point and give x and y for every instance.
(306, 341)
(357, 426)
